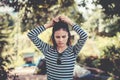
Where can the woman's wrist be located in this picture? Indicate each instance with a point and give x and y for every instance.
(72, 24)
(46, 25)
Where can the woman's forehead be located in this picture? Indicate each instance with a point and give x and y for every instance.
(61, 32)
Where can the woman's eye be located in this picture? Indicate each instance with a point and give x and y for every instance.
(57, 36)
(63, 36)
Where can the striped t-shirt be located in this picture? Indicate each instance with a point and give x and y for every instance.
(64, 71)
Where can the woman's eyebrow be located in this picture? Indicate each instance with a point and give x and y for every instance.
(57, 36)
(64, 36)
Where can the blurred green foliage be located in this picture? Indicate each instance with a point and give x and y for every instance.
(6, 23)
(111, 7)
(102, 26)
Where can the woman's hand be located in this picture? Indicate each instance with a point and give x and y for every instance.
(49, 24)
(66, 20)
(57, 19)
(52, 22)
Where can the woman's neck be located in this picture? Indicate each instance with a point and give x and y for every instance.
(61, 49)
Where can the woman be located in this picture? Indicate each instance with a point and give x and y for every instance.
(61, 57)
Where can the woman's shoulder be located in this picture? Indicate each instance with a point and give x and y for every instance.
(51, 48)
(70, 48)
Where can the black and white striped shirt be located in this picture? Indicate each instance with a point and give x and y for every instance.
(64, 71)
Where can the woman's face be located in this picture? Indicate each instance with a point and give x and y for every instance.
(61, 37)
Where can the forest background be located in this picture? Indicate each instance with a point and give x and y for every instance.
(100, 18)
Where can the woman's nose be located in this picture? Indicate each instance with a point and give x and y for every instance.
(60, 39)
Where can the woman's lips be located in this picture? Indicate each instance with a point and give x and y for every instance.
(60, 43)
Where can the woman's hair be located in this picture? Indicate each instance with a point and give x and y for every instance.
(57, 26)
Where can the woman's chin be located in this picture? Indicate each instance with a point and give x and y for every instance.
(61, 45)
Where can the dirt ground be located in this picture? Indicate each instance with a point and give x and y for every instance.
(25, 73)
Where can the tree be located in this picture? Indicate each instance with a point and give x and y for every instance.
(6, 24)
(39, 11)
(111, 7)
(104, 18)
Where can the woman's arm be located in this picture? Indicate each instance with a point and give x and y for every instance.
(82, 38)
(33, 35)
(80, 32)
